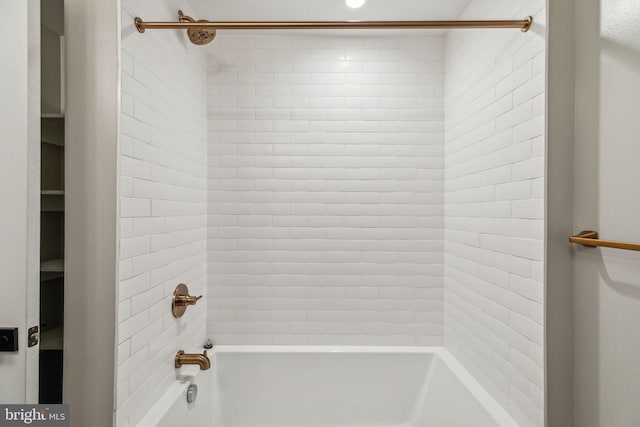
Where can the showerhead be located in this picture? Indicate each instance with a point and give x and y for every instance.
(199, 36)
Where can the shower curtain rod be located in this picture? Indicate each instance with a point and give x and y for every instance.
(203, 32)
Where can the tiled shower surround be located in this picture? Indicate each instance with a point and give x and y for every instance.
(326, 190)
(360, 190)
(494, 205)
(163, 193)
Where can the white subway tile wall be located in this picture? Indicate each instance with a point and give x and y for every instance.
(335, 213)
(163, 192)
(494, 205)
(326, 190)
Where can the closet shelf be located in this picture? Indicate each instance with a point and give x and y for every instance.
(52, 131)
(52, 204)
(52, 142)
(52, 266)
(46, 276)
(52, 339)
(52, 192)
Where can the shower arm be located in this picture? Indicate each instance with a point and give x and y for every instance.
(203, 32)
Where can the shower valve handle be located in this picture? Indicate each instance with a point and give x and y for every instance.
(187, 299)
(182, 300)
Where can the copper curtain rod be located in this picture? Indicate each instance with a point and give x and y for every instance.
(590, 238)
(203, 32)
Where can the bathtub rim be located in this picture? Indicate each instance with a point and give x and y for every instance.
(226, 348)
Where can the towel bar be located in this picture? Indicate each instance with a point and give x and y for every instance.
(590, 238)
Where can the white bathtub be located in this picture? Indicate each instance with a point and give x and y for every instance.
(291, 386)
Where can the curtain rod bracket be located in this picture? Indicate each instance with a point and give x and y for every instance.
(139, 24)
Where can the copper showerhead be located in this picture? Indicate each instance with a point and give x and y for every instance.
(199, 36)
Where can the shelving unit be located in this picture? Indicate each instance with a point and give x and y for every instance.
(51, 258)
(52, 202)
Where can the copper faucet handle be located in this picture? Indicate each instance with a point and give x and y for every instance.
(182, 300)
(187, 299)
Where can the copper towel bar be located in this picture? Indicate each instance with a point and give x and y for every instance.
(590, 238)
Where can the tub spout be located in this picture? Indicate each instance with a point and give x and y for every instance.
(201, 360)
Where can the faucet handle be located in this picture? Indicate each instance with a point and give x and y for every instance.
(182, 300)
(187, 299)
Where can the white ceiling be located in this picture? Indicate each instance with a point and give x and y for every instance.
(326, 10)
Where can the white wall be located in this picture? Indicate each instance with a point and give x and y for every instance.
(325, 179)
(20, 188)
(91, 138)
(163, 191)
(559, 214)
(494, 205)
(607, 281)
